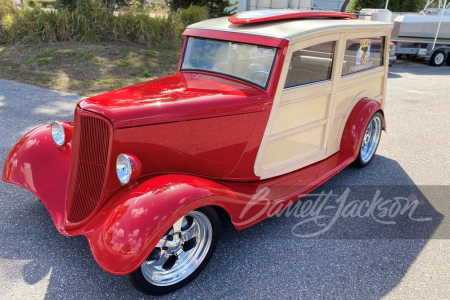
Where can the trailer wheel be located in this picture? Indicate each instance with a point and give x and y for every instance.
(437, 58)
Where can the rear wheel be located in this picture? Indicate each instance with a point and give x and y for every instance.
(370, 140)
(180, 255)
(437, 58)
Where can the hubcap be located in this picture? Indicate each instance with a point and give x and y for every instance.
(439, 59)
(179, 253)
(371, 139)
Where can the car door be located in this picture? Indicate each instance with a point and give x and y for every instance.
(298, 126)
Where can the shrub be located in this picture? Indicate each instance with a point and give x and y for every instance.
(394, 5)
(92, 21)
(216, 8)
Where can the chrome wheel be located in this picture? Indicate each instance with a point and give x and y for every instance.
(179, 253)
(371, 139)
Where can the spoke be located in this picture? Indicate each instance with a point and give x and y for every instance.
(161, 261)
(190, 232)
(177, 225)
(162, 243)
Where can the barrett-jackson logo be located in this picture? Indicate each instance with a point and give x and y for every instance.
(325, 210)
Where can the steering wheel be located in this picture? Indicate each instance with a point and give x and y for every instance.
(252, 78)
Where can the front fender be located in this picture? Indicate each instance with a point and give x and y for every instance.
(356, 125)
(38, 165)
(140, 215)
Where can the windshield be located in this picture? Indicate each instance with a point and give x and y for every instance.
(252, 63)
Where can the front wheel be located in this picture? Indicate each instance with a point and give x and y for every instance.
(180, 255)
(370, 140)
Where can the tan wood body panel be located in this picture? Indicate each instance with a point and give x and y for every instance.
(306, 122)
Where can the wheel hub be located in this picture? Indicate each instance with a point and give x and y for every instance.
(180, 251)
(439, 58)
(371, 139)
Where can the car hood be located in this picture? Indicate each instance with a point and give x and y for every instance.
(178, 97)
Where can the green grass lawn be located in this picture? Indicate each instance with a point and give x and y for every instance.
(86, 69)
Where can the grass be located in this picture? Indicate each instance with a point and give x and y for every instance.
(86, 69)
(92, 21)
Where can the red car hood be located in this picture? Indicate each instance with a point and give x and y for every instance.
(178, 97)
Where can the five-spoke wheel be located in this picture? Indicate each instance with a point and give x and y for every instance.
(180, 255)
(370, 141)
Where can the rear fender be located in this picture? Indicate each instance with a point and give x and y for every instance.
(356, 124)
(140, 215)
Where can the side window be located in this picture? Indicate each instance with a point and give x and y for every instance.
(362, 54)
(311, 64)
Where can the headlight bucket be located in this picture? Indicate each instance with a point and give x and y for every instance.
(61, 133)
(128, 168)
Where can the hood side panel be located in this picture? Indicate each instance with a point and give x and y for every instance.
(206, 147)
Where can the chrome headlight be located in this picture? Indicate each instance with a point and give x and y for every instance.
(58, 135)
(128, 168)
(123, 169)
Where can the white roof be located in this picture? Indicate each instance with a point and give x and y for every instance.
(286, 29)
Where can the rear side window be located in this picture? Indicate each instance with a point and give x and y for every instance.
(311, 64)
(362, 54)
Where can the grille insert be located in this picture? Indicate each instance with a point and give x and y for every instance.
(88, 173)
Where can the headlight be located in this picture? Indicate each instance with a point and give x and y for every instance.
(128, 168)
(123, 168)
(59, 137)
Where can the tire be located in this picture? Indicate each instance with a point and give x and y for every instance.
(448, 59)
(370, 141)
(437, 59)
(158, 275)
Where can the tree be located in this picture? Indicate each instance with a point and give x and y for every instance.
(394, 5)
(217, 8)
(344, 6)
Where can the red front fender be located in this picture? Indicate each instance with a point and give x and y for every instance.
(38, 165)
(140, 215)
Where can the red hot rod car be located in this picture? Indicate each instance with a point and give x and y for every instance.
(261, 99)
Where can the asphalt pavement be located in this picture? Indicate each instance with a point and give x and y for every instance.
(355, 258)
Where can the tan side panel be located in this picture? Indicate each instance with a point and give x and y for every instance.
(300, 113)
(346, 95)
(334, 130)
(288, 148)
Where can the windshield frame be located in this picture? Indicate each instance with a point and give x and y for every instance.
(269, 77)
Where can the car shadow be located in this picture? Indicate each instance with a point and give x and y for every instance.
(356, 258)
(394, 76)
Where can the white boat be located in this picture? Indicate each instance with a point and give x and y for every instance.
(424, 25)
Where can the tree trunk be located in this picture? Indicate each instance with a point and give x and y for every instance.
(344, 6)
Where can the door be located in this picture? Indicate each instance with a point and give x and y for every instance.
(298, 127)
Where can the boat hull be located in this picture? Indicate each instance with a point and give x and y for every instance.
(421, 26)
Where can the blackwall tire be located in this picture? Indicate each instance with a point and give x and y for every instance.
(188, 247)
(437, 59)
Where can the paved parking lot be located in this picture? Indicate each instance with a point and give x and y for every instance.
(355, 259)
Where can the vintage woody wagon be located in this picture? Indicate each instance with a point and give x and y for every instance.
(274, 101)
